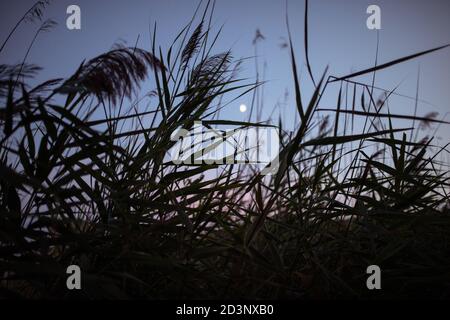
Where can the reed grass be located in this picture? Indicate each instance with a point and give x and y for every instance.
(84, 180)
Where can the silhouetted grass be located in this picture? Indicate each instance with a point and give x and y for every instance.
(84, 180)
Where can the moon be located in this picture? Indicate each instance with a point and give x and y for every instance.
(242, 108)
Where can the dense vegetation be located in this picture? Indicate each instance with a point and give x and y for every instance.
(84, 180)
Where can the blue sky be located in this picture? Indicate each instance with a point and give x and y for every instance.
(338, 38)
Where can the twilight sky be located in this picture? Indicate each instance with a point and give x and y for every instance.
(338, 38)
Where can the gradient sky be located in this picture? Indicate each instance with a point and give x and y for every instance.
(338, 38)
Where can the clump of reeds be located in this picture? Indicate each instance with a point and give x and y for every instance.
(84, 180)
